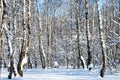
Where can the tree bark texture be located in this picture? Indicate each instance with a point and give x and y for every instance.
(25, 42)
(0, 51)
(79, 60)
(89, 62)
(102, 41)
(41, 50)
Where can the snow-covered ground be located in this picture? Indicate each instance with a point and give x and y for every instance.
(60, 74)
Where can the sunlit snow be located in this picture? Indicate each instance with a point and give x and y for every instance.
(60, 74)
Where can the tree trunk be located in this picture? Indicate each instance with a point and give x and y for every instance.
(42, 54)
(78, 34)
(9, 40)
(119, 17)
(48, 36)
(14, 30)
(66, 48)
(23, 57)
(71, 27)
(1, 11)
(29, 32)
(41, 50)
(20, 66)
(106, 19)
(89, 62)
(93, 31)
(114, 36)
(102, 41)
(0, 51)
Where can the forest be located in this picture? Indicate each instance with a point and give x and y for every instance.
(74, 34)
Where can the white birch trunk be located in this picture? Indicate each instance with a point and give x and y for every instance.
(102, 39)
(9, 41)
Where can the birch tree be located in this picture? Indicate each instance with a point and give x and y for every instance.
(9, 40)
(79, 59)
(23, 57)
(48, 36)
(71, 26)
(102, 40)
(78, 33)
(29, 32)
(1, 8)
(0, 51)
(41, 50)
(89, 62)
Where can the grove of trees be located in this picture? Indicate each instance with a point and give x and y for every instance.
(75, 33)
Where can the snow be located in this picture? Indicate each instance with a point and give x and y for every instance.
(60, 74)
(56, 64)
(90, 66)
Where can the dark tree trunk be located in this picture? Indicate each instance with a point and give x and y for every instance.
(0, 51)
(28, 34)
(19, 67)
(48, 36)
(24, 54)
(89, 62)
(119, 16)
(11, 69)
(78, 34)
(29, 63)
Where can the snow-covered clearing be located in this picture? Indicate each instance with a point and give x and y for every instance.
(60, 74)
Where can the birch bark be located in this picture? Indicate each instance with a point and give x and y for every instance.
(102, 41)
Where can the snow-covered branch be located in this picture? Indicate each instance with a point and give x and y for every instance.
(115, 22)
